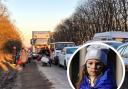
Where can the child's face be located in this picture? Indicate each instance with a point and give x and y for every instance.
(94, 67)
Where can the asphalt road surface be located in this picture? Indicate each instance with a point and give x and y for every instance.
(36, 76)
(31, 78)
(56, 75)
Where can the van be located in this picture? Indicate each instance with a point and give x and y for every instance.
(56, 48)
(112, 35)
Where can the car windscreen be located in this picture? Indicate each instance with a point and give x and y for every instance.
(123, 51)
(71, 50)
(114, 45)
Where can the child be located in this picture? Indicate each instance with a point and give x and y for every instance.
(95, 74)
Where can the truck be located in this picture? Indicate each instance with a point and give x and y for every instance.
(39, 40)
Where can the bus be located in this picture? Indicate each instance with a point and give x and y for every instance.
(56, 48)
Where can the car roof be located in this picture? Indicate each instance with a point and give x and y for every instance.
(62, 42)
(72, 47)
(112, 43)
(104, 41)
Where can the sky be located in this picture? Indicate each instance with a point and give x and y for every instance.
(39, 15)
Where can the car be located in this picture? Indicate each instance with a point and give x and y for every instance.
(65, 55)
(56, 48)
(123, 50)
(35, 55)
(114, 44)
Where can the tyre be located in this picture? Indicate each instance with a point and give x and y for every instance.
(65, 67)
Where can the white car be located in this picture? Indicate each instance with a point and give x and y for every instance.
(123, 50)
(65, 55)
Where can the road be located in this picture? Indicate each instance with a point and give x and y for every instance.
(31, 78)
(125, 83)
(34, 76)
(56, 75)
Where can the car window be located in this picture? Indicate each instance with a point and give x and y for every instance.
(114, 45)
(123, 51)
(70, 50)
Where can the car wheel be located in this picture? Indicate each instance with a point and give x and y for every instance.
(65, 65)
(59, 63)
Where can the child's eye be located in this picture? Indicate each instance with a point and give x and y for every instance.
(90, 63)
(98, 63)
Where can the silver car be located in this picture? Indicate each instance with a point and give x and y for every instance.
(123, 50)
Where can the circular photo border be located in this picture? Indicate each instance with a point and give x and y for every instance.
(95, 43)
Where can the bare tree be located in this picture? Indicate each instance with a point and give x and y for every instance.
(93, 16)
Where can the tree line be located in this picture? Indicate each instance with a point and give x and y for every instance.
(9, 33)
(10, 45)
(90, 17)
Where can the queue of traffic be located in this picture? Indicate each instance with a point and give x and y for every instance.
(60, 52)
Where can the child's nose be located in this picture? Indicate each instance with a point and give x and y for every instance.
(94, 66)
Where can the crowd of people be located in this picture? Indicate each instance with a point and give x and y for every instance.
(10, 64)
(14, 60)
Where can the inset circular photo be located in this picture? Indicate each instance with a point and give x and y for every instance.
(96, 65)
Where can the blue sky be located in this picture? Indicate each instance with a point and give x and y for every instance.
(39, 15)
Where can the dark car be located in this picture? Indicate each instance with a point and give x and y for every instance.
(35, 55)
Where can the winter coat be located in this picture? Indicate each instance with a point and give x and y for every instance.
(104, 81)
